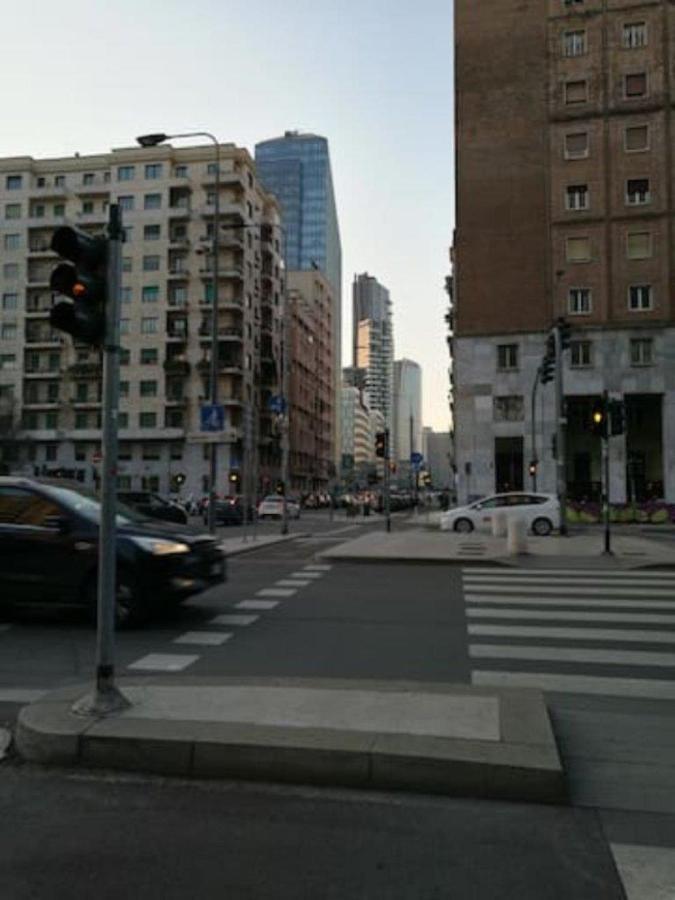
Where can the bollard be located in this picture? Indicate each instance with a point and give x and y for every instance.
(499, 520)
(516, 540)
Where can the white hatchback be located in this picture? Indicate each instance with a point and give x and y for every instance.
(272, 507)
(541, 512)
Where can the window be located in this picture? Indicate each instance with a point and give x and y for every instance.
(10, 271)
(639, 297)
(507, 356)
(29, 420)
(178, 296)
(10, 301)
(635, 85)
(147, 420)
(581, 354)
(124, 482)
(149, 325)
(579, 301)
(124, 388)
(126, 173)
(578, 249)
(81, 420)
(81, 392)
(574, 43)
(509, 409)
(87, 207)
(123, 420)
(88, 178)
(208, 293)
(638, 245)
(59, 180)
(7, 361)
(126, 202)
(125, 452)
(637, 191)
(150, 263)
(636, 138)
(80, 452)
(641, 352)
(128, 233)
(176, 451)
(151, 232)
(634, 35)
(150, 294)
(211, 169)
(12, 210)
(152, 201)
(13, 182)
(53, 391)
(8, 331)
(576, 92)
(180, 172)
(576, 197)
(153, 170)
(59, 210)
(126, 295)
(125, 356)
(127, 264)
(149, 356)
(173, 418)
(148, 388)
(125, 325)
(12, 241)
(52, 421)
(38, 211)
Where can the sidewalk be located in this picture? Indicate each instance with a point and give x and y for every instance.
(583, 551)
(450, 739)
(237, 545)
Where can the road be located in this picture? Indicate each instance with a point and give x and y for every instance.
(602, 648)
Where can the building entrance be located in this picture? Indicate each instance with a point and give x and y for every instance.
(508, 464)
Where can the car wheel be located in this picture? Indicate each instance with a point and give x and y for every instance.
(541, 527)
(129, 609)
(464, 526)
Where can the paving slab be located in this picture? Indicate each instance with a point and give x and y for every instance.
(440, 738)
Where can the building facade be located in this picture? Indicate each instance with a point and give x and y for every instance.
(167, 197)
(296, 168)
(406, 432)
(581, 228)
(373, 341)
(359, 465)
(311, 379)
(437, 450)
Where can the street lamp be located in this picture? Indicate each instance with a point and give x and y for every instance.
(152, 140)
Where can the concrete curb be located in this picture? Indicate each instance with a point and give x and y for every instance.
(260, 543)
(521, 764)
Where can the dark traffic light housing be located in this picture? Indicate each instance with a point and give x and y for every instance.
(381, 444)
(617, 417)
(599, 419)
(235, 481)
(83, 280)
(532, 468)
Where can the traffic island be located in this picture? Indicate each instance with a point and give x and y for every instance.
(432, 738)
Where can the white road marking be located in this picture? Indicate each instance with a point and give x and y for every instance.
(306, 575)
(562, 601)
(632, 618)
(566, 573)
(234, 620)
(206, 638)
(317, 567)
(578, 684)
(21, 695)
(291, 582)
(163, 662)
(576, 589)
(573, 654)
(276, 592)
(637, 583)
(257, 604)
(648, 873)
(575, 634)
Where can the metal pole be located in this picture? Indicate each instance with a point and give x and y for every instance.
(605, 474)
(561, 426)
(213, 458)
(106, 698)
(285, 423)
(387, 481)
(534, 430)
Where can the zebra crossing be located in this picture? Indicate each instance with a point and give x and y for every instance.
(604, 632)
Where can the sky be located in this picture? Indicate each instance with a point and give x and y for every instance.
(373, 76)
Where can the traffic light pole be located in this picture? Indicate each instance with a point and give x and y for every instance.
(535, 461)
(106, 698)
(605, 475)
(561, 426)
(387, 482)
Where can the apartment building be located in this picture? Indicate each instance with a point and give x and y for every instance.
(167, 196)
(564, 208)
(311, 396)
(373, 341)
(360, 424)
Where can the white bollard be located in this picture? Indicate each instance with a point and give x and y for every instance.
(499, 520)
(516, 540)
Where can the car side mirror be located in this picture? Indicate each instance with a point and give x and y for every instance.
(58, 523)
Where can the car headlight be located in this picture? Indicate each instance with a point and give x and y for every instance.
(159, 547)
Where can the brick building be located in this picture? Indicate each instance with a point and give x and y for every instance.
(564, 208)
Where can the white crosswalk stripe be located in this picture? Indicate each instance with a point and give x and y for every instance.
(550, 628)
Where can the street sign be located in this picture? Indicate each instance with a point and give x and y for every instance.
(416, 459)
(277, 404)
(212, 417)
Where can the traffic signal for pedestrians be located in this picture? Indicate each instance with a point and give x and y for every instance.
(381, 444)
(177, 482)
(83, 280)
(599, 419)
(617, 417)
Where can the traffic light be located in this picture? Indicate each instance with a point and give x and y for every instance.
(532, 468)
(177, 482)
(280, 489)
(617, 417)
(235, 480)
(381, 444)
(599, 419)
(83, 280)
(564, 330)
(547, 369)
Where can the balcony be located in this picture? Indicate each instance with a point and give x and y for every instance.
(180, 211)
(176, 241)
(85, 370)
(47, 339)
(97, 187)
(44, 403)
(225, 179)
(42, 372)
(177, 367)
(178, 272)
(38, 312)
(40, 248)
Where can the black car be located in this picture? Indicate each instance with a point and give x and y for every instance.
(153, 506)
(228, 512)
(49, 552)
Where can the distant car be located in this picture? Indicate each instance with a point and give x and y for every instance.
(541, 512)
(154, 506)
(228, 512)
(49, 533)
(272, 507)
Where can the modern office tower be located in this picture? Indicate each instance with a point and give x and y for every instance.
(167, 198)
(311, 376)
(564, 209)
(437, 450)
(373, 341)
(407, 411)
(296, 169)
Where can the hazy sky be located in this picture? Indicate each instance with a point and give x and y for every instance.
(373, 76)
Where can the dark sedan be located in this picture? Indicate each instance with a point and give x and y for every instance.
(49, 552)
(153, 506)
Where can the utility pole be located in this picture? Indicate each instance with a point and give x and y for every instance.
(561, 427)
(387, 481)
(534, 460)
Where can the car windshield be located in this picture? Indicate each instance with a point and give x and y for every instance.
(273, 499)
(88, 505)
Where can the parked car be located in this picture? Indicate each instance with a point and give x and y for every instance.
(272, 507)
(228, 512)
(154, 506)
(540, 511)
(49, 552)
